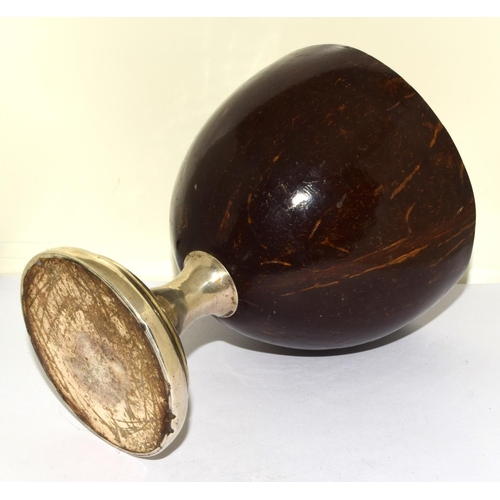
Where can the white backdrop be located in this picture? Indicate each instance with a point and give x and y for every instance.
(96, 116)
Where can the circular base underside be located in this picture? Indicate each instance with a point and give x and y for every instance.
(98, 352)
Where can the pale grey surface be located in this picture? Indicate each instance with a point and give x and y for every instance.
(422, 405)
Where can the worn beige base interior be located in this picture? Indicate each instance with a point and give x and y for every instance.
(97, 353)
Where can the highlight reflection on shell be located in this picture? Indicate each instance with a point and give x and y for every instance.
(333, 195)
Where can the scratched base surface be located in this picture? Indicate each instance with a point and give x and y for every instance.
(96, 354)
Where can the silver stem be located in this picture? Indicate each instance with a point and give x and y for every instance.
(204, 287)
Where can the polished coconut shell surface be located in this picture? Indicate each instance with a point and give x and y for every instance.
(333, 195)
